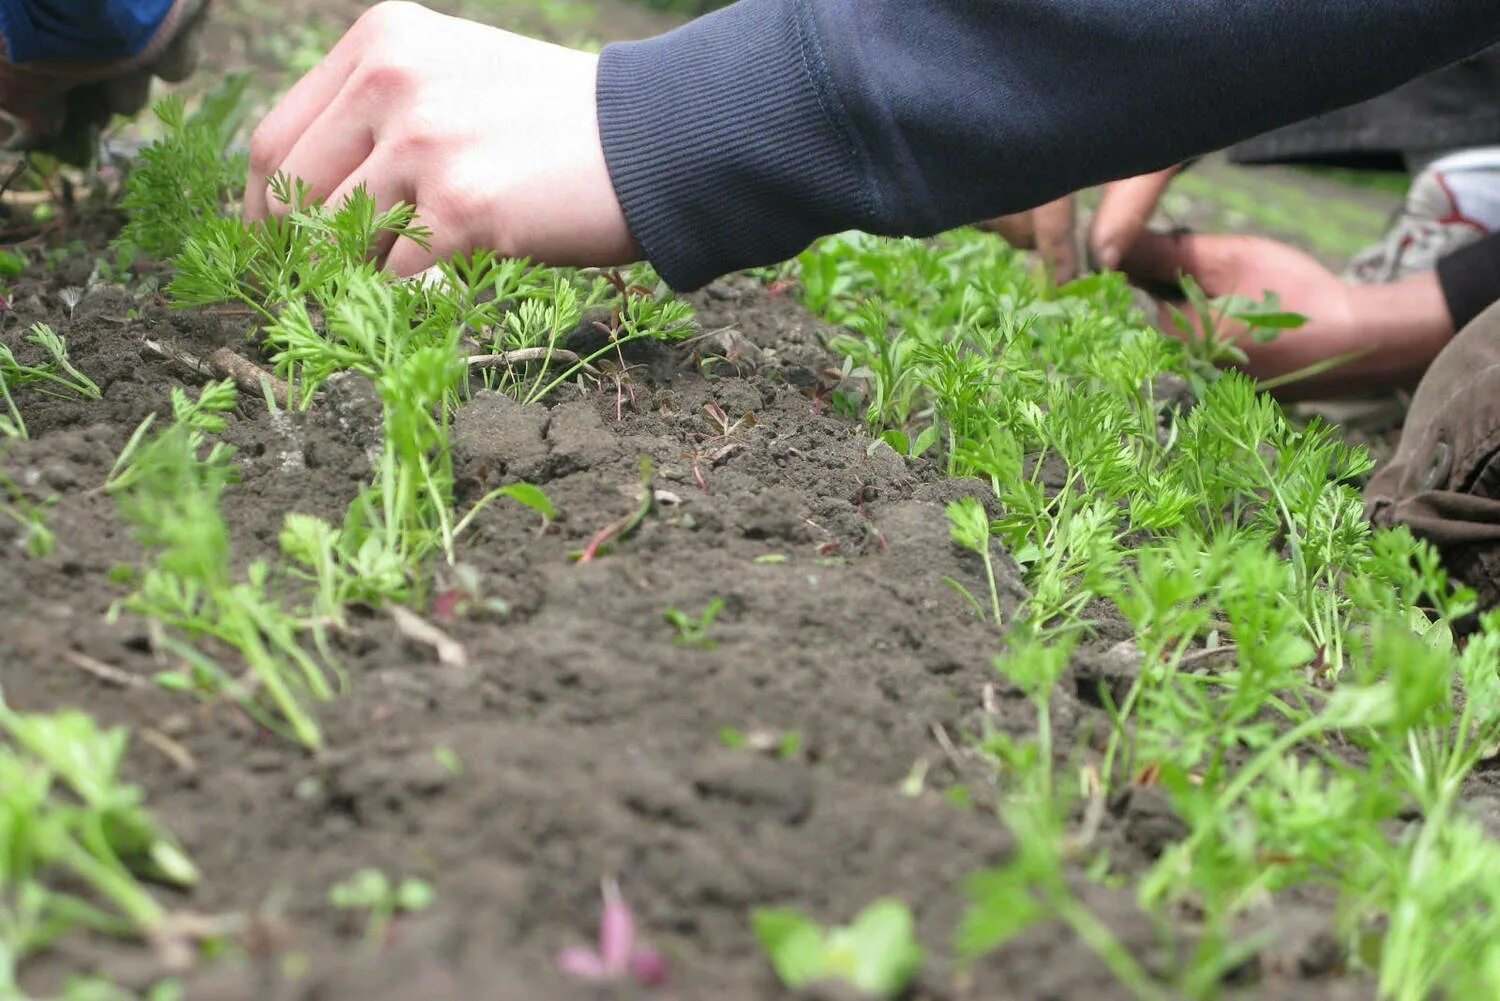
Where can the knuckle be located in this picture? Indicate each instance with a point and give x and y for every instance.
(387, 78)
(387, 15)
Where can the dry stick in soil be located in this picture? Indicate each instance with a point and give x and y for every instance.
(521, 356)
(224, 364)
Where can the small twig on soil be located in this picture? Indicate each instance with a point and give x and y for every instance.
(1093, 813)
(450, 653)
(106, 673)
(13, 176)
(944, 741)
(223, 364)
(521, 356)
(989, 699)
(1205, 654)
(174, 752)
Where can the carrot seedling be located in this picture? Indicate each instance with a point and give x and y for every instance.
(382, 899)
(877, 953)
(693, 631)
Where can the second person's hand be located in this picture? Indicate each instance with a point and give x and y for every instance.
(492, 136)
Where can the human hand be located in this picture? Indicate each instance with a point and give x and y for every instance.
(1125, 207)
(59, 105)
(1374, 336)
(492, 136)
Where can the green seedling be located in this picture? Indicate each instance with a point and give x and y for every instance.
(617, 530)
(782, 745)
(693, 631)
(169, 487)
(381, 899)
(1233, 542)
(56, 376)
(36, 540)
(77, 840)
(970, 527)
(877, 953)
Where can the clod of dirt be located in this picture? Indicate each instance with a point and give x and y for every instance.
(1152, 823)
(1111, 671)
(494, 437)
(578, 439)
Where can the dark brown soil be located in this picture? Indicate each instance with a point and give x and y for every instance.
(589, 742)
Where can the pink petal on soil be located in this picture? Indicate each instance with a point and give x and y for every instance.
(616, 930)
(583, 963)
(445, 604)
(648, 968)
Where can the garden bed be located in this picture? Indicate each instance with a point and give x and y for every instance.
(895, 574)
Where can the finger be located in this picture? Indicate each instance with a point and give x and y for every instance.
(332, 149)
(280, 131)
(408, 257)
(1162, 257)
(1055, 238)
(1018, 229)
(385, 186)
(1124, 211)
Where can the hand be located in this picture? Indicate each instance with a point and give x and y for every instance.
(1125, 207)
(59, 106)
(492, 136)
(1390, 333)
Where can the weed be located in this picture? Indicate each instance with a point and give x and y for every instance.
(36, 539)
(169, 489)
(877, 953)
(693, 631)
(381, 899)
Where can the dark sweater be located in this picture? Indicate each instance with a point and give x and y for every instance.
(737, 139)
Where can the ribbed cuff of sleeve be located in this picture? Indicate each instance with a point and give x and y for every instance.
(1470, 278)
(725, 144)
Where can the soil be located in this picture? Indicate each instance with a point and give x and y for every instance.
(590, 743)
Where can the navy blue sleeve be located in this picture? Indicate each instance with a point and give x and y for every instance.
(79, 29)
(740, 137)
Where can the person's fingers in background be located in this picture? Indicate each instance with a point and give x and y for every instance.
(1056, 237)
(1017, 229)
(1125, 207)
(1389, 333)
(1048, 229)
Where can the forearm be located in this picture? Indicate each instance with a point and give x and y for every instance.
(738, 138)
(81, 29)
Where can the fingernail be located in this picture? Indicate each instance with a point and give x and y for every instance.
(1109, 257)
